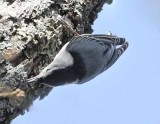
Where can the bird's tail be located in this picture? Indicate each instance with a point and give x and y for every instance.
(122, 48)
(118, 52)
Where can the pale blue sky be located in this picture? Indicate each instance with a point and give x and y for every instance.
(129, 92)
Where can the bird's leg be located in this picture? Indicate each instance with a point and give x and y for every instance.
(14, 94)
(67, 26)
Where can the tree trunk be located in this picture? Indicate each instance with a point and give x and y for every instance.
(30, 36)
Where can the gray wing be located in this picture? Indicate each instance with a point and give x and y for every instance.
(99, 51)
(113, 40)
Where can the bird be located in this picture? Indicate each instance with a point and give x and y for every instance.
(81, 59)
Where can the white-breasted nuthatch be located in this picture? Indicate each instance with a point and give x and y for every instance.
(81, 59)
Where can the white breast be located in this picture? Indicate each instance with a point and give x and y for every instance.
(62, 59)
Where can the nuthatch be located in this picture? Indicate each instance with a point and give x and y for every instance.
(82, 59)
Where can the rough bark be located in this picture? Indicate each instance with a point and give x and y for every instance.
(30, 37)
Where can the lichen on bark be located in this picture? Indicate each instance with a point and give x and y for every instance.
(30, 37)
